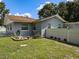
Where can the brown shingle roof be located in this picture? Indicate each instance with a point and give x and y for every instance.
(21, 19)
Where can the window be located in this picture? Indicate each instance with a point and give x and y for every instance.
(7, 27)
(59, 25)
(33, 28)
(10, 27)
(49, 25)
(25, 27)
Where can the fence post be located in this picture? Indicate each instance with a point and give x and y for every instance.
(68, 34)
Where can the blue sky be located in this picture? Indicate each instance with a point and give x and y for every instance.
(28, 7)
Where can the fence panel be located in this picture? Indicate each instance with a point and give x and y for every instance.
(72, 35)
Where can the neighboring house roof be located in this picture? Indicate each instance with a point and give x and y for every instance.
(21, 19)
(57, 16)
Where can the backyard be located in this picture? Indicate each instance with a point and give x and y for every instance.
(36, 49)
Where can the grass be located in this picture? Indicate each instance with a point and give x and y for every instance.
(36, 49)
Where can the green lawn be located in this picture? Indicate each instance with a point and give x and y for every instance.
(36, 49)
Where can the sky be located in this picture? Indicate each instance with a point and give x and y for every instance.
(28, 8)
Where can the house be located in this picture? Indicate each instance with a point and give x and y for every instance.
(19, 25)
(52, 22)
(24, 26)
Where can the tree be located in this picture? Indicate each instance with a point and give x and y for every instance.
(3, 11)
(62, 10)
(71, 11)
(47, 10)
(67, 10)
(76, 0)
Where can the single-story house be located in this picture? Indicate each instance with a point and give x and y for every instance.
(52, 22)
(24, 26)
(19, 25)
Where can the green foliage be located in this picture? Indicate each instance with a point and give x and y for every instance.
(62, 10)
(48, 10)
(67, 10)
(3, 11)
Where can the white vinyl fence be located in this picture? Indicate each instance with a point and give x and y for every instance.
(72, 35)
(3, 34)
(2, 31)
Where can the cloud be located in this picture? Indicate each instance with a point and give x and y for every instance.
(10, 13)
(24, 14)
(70, 0)
(47, 2)
(42, 5)
(27, 14)
(1, 0)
